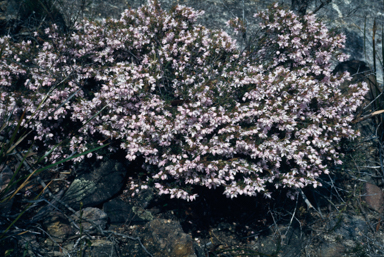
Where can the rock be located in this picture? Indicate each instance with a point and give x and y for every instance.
(142, 214)
(332, 249)
(8, 10)
(5, 177)
(269, 245)
(32, 242)
(144, 197)
(3, 9)
(97, 216)
(373, 196)
(97, 185)
(165, 238)
(348, 227)
(101, 248)
(120, 212)
(95, 248)
(292, 241)
(336, 17)
(58, 226)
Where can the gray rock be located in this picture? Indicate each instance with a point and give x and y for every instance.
(120, 212)
(165, 238)
(8, 10)
(144, 197)
(95, 248)
(3, 9)
(98, 219)
(101, 248)
(374, 197)
(96, 186)
(270, 245)
(142, 214)
(58, 226)
(292, 241)
(351, 17)
(332, 249)
(348, 227)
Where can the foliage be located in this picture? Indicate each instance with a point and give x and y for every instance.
(197, 109)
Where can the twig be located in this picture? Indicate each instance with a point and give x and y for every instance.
(372, 101)
(274, 221)
(78, 241)
(293, 216)
(372, 114)
(334, 187)
(308, 203)
(371, 167)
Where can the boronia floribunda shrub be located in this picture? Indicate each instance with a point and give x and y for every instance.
(185, 98)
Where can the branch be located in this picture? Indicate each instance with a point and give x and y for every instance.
(367, 116)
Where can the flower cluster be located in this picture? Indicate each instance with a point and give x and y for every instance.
(197, 109)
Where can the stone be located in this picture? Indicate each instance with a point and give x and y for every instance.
(101, 248)
(292, 241)
(97, 185)
(97, 217)
(287, 240)
(95, 248)
(348, 227)
(336, 16)
(332, 249)
(144, 197)
(58, 226)
(373, 196)
(8, 10)
(142, 214)
(165, 238)
(120, 212)
(3, 9)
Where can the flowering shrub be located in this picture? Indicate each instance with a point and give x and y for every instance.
(196, 108)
